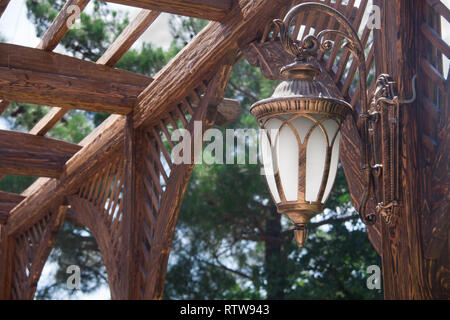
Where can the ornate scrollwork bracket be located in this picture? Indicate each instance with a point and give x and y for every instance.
(384, 117)
(388, 212)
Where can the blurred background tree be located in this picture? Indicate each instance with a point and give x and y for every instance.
(230, 242)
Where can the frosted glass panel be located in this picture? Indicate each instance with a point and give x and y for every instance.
(333, 168)
(267, 156)
(287, 152)
(331, 127)
(302, 125)
(315, 163)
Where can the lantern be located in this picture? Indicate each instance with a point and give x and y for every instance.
(299, 143)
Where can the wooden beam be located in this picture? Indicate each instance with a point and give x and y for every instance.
(215, 10)
(35, 76)
(60, 26)
(198, 60)
(30, 155)
(7, 202)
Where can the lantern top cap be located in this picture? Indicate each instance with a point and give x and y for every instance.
(300, 70)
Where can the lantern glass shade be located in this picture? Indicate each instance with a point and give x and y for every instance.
(300, 155)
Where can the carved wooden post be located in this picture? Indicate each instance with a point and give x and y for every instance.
(406, 274)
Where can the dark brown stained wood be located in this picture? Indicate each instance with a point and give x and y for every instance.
(407, 274)
(24, 255)
(99, 145)
(131, 212)
(3, 5)
(7, 202)
(25, 58)
(254, 14)
(128, 37)
(3, 106)
(434, 75)
(35, 76)
(58, 29)
(204, 9)
(56, 90)
(227, 111)
(30, 155)
(440, 8)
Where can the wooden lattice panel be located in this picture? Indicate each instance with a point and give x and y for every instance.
(157, 176)
(31, 249)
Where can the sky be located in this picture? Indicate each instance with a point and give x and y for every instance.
(16, 29)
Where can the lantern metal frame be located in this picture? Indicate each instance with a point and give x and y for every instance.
(384, 108)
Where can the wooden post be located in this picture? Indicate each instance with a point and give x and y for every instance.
(405, 275)
(131, 223)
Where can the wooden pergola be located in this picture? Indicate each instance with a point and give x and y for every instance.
(121, 183)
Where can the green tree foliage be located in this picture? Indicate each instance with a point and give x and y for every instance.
(230, 242)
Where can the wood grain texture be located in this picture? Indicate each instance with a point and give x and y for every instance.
(71, 93)
(30, 155)
(7, 202)
(204, 9)
(35, 76)
(24, 255)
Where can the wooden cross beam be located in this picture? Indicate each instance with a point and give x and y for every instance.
(29, 155)
(35, 76)
(204, 9)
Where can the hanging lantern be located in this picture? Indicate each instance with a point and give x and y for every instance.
(300, 135)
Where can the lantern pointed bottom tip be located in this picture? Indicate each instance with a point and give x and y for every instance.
(300, 234)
